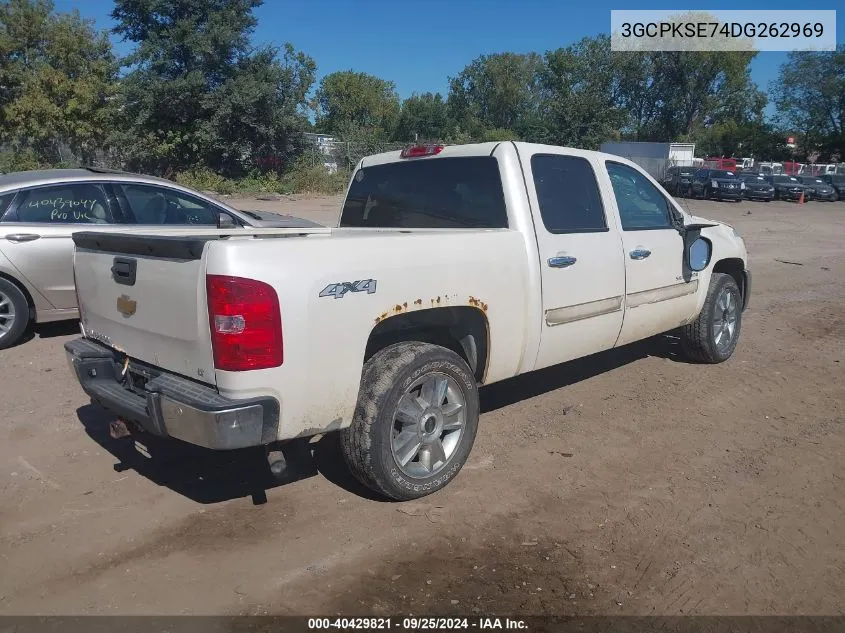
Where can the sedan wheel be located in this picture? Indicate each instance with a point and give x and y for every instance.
(14, 314)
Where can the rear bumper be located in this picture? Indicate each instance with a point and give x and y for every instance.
(169, 405)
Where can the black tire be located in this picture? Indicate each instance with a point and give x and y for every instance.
(20, 305)
(366, 443)
(698, 339)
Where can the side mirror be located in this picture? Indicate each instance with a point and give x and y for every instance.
(698, 254)
(225, 221)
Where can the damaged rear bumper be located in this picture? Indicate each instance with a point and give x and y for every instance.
(169, 405)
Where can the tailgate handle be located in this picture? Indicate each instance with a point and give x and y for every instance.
(123, 270)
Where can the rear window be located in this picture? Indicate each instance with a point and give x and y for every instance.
(460, 192)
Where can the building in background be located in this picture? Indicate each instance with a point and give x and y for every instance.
(655, 158)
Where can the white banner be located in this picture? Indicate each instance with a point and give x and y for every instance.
(723, 30)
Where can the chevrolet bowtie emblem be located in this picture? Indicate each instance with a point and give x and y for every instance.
(126, 306)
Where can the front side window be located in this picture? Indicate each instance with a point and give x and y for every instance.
(641, 205)
(149, 204)
(568, 194)
(459, 192)
(79, 203)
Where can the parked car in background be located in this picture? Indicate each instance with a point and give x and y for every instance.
(678, 180)
(837, 181)
(40, 210)
(787, 187)
(757, 187)
(718, 184)
(818, 189)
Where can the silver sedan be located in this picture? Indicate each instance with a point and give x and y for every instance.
(39, 210)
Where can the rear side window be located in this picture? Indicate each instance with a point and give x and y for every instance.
(461, 192)
(80, 203)
(568, 194)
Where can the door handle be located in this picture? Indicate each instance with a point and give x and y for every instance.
(640, 253)
(562, 261)
(22, 237)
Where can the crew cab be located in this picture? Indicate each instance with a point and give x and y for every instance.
(449, 268)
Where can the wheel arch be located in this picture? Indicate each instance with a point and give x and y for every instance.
(24, 290)
(463, 329)
(735, 267)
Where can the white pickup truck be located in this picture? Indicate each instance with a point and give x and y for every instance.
(450, 268)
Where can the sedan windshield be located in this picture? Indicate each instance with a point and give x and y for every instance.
(722, 174)
(752, 178)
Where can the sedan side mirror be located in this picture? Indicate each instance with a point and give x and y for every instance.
(225, 221)
(698, 254)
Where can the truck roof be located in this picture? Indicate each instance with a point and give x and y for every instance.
(486, 149)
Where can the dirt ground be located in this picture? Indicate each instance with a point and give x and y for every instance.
(625, 483)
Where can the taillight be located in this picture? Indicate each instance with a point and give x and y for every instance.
(421, 150)
(245, 322)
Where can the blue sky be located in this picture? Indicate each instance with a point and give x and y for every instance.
(418, 45)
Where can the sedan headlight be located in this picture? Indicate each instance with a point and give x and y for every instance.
(714, 184)
(742, 185)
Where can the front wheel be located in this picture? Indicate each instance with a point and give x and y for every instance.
(713, 336)
(415, 421)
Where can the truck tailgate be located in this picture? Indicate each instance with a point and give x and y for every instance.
(145, 296)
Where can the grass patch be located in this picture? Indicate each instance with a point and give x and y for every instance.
(301, 178)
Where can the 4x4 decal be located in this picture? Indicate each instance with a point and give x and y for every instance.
(339, 290)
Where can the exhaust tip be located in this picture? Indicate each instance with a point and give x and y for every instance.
(277, 463)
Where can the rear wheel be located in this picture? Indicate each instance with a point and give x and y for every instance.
(713, 336)
(14, 313)
(415, 421)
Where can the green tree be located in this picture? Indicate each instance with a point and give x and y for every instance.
(350, 98)
(57, 77)
(695, 89)
(197, 94)
(423, 117)
(579, 95)
(495, 91)
(810, 96)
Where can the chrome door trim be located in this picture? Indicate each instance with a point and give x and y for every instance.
(655, 295)
(568, 314)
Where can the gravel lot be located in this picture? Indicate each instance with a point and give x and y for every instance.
(625, 483)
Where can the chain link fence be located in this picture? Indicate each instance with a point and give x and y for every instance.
(342, 156)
